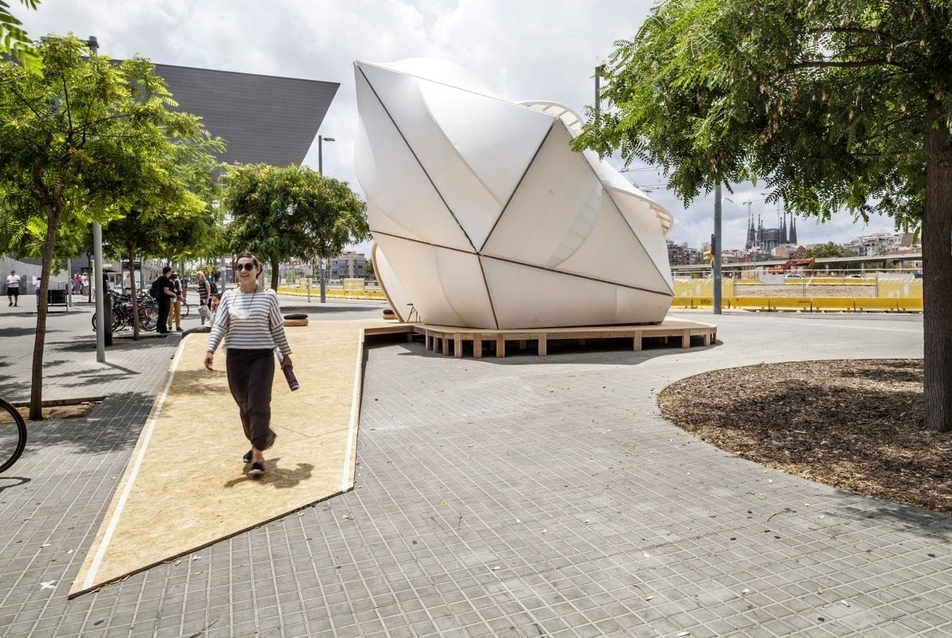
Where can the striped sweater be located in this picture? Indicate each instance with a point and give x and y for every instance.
(249, 321)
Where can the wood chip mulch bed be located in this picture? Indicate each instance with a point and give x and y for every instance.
(855, 425)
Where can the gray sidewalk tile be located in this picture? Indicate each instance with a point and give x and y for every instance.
(515, 497)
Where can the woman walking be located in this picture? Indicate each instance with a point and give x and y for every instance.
(204, 297)
(249, 320)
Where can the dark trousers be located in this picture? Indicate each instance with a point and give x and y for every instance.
(250, 376)
(165, 302)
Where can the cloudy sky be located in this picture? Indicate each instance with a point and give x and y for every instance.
(524, 49)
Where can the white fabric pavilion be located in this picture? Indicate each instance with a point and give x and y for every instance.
(484, 217)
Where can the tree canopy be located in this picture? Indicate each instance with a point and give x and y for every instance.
(291, 212)
(838, 105)
(13, 39)
(89, 140)
(829, 249)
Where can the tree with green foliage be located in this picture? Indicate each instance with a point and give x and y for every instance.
(86, 138)
(838, 105)
(193, 237)
(13, 39)
(167, 202)
(829, 249)
(280, 213)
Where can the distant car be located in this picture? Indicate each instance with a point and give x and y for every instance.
(855, 276)
(917, 274)
(794, 275)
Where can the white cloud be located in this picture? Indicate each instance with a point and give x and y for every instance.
(531, 49)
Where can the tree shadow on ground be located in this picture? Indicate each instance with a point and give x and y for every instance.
(23, 332)
(113, 426)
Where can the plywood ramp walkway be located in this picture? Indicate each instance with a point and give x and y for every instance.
(186, 487)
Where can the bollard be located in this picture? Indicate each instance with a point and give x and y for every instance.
(107, 318)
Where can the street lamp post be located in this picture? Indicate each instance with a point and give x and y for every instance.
(103, 312)
(320, 152)
(716, 249)
(320, 169)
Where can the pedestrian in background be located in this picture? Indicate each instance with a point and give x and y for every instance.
(250, 324)
(164, 299)
(13, 288)
(175, 308)
(204, 297)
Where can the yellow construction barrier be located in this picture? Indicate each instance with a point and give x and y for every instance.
(898, 294)
(911, 304)
(749, 303)
(683, 302)
(899, 288)
(702, 288)
(833, 304)
(876, 304)
(808, 304)
(334, 293)
(791, 303)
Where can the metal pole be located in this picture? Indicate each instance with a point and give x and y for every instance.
(98, 282)
(320, 169)
(716, 249)
(323, 282)
(320, 151)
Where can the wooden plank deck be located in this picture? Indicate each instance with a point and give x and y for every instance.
(452, 340)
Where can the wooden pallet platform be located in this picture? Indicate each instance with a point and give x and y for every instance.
(451, 340)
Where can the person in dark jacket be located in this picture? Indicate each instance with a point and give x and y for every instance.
(166, 295)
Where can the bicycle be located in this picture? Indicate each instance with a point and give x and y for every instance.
(12, 435)
(122, 306)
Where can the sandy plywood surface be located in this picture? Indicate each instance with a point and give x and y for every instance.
(186, 486)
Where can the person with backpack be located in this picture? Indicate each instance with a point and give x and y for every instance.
(163, 292)
(175, 308)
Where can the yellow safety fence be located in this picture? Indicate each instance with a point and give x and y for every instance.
(333, 293)
(893, 295)
(806, 304)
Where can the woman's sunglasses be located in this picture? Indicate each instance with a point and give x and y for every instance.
(246, 266)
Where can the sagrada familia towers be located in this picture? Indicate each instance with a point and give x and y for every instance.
(766, 239)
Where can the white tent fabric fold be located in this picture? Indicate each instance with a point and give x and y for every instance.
(487, 218)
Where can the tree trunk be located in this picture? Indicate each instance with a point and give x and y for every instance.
(275, 264)
(42, 309)
(937, 276)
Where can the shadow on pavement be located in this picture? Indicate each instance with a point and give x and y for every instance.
(103, 430)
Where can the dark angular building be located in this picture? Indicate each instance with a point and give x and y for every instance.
(262, 118)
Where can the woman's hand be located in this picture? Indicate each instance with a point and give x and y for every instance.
(209, 357)
(286, 363)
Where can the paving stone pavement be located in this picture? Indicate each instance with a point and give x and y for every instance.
(514, 497)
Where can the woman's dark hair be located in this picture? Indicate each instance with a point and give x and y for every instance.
(250, 256)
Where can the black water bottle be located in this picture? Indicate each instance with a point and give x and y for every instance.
(288, 372)
(292, 379)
